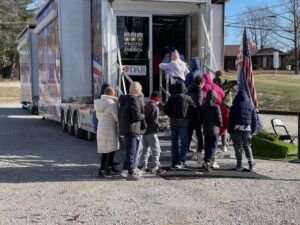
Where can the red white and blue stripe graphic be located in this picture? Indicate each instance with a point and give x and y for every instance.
(97, 67)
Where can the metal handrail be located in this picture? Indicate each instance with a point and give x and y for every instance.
(209, 69)
(162, 89)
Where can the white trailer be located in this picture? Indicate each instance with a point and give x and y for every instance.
(85, 43)
(27, 48)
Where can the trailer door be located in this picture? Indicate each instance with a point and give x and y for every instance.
(135, 41)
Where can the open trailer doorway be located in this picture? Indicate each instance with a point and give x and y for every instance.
(168, 32)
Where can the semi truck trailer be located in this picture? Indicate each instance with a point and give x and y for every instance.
(83, 44)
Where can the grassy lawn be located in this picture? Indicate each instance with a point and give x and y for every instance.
(276, 92)
(9, 91)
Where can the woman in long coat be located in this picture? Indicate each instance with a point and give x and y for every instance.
(107, 131)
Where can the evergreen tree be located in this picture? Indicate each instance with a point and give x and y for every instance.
(14, 15)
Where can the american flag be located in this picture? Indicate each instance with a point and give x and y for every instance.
(245, 73)
(97, 76)
(97, 68)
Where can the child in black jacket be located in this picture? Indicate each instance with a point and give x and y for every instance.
(211, 118)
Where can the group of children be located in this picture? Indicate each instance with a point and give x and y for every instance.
(206, 106)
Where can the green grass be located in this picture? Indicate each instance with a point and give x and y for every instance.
(276, 92)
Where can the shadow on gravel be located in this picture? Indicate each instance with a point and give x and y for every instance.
(36, 150)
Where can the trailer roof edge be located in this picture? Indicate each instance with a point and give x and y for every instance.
(29, 26)
(43, 7)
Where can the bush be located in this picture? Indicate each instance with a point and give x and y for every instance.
(273, 149)
(266, 135)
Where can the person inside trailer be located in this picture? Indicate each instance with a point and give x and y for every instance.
(176, 68)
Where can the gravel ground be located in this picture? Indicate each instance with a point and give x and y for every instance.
(46, 178)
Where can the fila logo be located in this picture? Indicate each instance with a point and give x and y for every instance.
(242, 127)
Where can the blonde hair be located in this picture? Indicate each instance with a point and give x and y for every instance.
(175, 58)
(110, 91)
(135, 88)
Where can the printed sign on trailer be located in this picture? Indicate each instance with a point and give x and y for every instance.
(135, 70)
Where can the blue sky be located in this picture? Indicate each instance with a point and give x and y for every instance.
(234, 7)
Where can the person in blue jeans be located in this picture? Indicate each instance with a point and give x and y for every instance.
(178, 108)
(211, 119)
(131, 117)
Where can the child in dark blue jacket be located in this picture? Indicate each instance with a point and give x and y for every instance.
(242, 124)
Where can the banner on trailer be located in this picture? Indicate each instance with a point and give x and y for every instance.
(135, 70)
(97, 48)
(49, 70)
(75, 28)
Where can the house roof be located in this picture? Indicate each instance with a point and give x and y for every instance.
(232, 50)
(268, 51)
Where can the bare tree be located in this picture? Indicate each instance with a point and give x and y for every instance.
(259, 21)
(288, 26)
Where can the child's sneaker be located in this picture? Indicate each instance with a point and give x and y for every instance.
(179, 166)
(252, 165)
(215, 165)
(239, 168)
(138, 172)
(224, 148)
(157, 170)
(124, 173)
(147, 170)
(99, 173)
(173, 168)
(133, 177)
(207, 166)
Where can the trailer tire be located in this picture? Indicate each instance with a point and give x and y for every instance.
(64, 125)
(69, 124)
(78, 132)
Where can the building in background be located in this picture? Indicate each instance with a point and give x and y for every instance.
(261, 59)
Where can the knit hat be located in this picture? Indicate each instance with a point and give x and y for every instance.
(135, 88)
(156, 96)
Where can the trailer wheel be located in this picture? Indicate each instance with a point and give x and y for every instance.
(69, 123)
(78, 132)
(64, 125)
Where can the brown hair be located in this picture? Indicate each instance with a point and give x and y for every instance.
(110, 91)
(218, 73)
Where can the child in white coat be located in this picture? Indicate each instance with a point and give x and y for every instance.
(107, 133)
